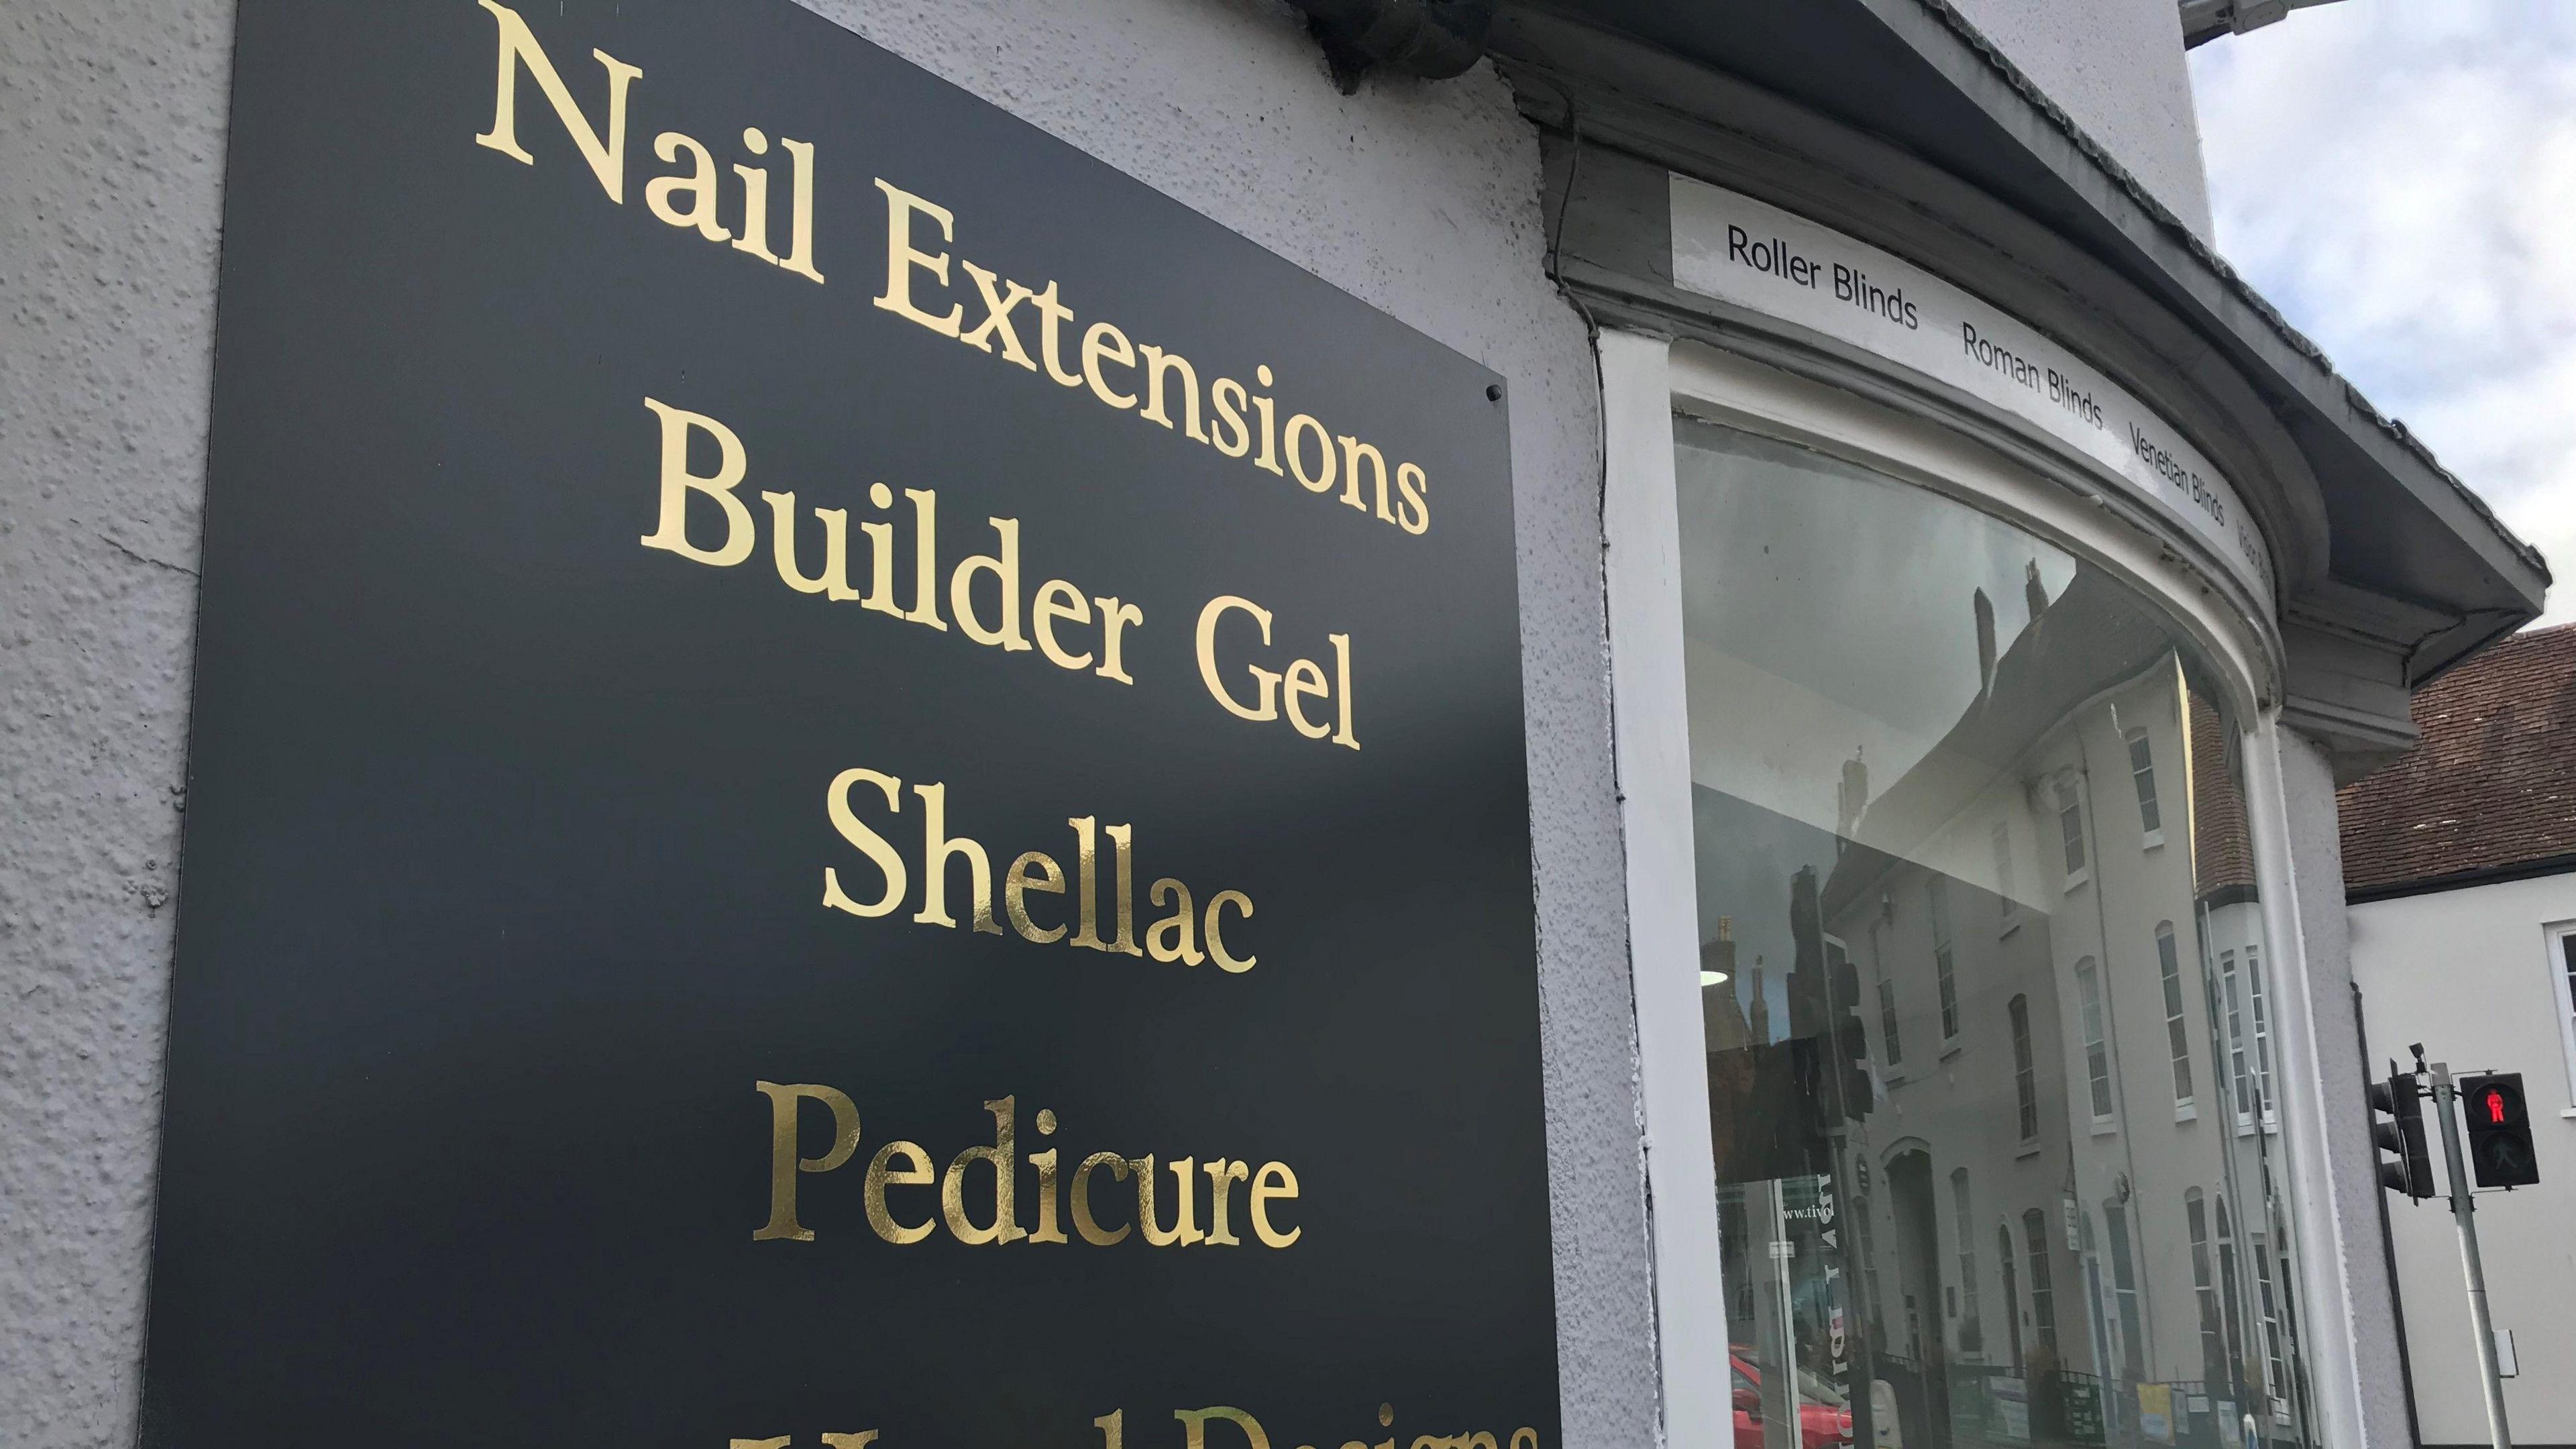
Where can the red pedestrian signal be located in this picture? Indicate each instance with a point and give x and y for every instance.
(2499, 1131)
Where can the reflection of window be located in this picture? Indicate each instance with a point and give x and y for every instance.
(2213, 1350)
(1972, 1332)
(2262, 1034)
(2274, 1365)
(2239, 1068)
(2070, 830)
(2007, 903)
(2230, 1293)
(2249, 1037)
(2012, 1290)
(2025, 1072)
(2124, 1288)
(2043, 1296)
(2097, 1051)
(1936, 896)
(2177, 1035)
(1887, 1021)
(2142, 772)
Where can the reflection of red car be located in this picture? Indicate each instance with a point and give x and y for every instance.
(1823, 1424)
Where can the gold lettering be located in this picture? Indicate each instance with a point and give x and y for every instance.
(800, 240)
(519, 47)
(834, 581)
(920, 1174)
(1005, 570)
(1195, 1422)
(755, 200)
(1186, 1228)
(902, 257)
(1354, 453)
(1413, 510)
(1182, 925)
(1083, 1222)
(936, 851)
(1312, 482)
(700, 184)
(1305, 678)
(1273, 1183)
(1222, 1176)
(1114, 617)
(1267, 707)
(1123, 837)
(997, 317)
(1105, 343)
(1342, 692)
(925, 558)
(1232, 436)
(1157, 363)
(1055, 600)
(1047, 1231)
(1216, 934)
(678, 483)
(1052, 315)
(1005, 1156)
(836, 803)
(1017, 882)
(784, 1163)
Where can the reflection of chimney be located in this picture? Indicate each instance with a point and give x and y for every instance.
(2031, 592)
(1851, 797)
(1761, 1012)
(1985, 642)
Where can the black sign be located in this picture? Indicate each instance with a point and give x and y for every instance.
(853, 782)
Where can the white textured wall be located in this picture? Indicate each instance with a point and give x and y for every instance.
(1421, 199)
(2467, 974)
(2116, 66)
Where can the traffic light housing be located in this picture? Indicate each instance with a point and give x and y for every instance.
(2499, 1122)
(2402, 1134)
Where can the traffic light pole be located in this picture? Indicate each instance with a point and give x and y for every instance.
(2463, 1212)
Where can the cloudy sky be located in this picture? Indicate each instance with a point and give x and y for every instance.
(2399, 177)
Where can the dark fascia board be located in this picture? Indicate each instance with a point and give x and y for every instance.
(1919, 76)
(2462, 880)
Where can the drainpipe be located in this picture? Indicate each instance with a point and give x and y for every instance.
(1427, 39)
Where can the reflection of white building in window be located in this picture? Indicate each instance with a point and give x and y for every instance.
(2089, 1005)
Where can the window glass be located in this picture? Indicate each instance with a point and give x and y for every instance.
(1887, 688)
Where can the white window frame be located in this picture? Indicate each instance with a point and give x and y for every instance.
(1644, 380)
(2554, 947)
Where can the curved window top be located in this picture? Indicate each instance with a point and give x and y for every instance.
(1959, 790)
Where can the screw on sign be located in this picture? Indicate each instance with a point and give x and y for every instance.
(2499, 1130)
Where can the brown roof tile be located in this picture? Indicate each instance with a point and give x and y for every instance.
(2491, 785)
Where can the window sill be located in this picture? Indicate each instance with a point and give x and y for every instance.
(2569, 1114)
(2077, 880)
(2155, 840)
(2190, 1111)
(1952, 1048)
(2013, 923)
(2105, 1126)
(2027, 1149)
